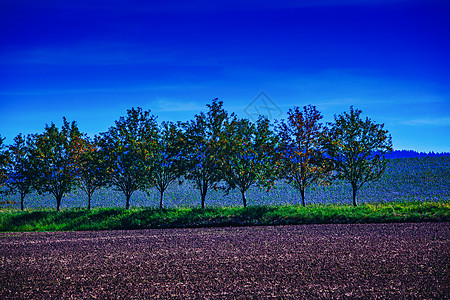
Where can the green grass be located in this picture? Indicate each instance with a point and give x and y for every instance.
(140, 218)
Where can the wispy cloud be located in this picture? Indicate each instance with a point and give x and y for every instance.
(166, 105)
(191, 6)
(136, 88)
(430, 121)
(85, 54)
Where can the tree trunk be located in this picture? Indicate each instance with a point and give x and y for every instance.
(354, 194)
(58, 202)
(22, 197)
(302, 192)
(203, 200)
(161, 198)
(244, 199)
(204, 191)
(128, 195)
(89, 201)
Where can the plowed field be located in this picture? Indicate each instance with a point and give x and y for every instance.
(306, 261)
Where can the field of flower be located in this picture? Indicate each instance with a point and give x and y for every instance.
(406, 179)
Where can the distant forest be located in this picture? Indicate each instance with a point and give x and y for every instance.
(411, 153)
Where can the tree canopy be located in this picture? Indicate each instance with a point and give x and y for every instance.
(92, 167)
(128, 149)
(303, 159)
(214, 150)
(4, 161)
(168, 161)
(54, 154)
(204, 139)
(357, 148)
(248, 155)
(20, 168)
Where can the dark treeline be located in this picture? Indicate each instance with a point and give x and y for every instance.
(412, 154)
(215, 150)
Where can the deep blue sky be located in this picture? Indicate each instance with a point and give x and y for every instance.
(91, 60)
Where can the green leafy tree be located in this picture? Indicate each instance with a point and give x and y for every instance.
(4, 162)
(249, 155)
(357, 148)
(128, 148)
(92, 167)
(203, 148)
(53, 160)
(167, 163)
(303, 160)
(20, 172)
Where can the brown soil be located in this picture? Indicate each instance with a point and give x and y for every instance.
(305, 261)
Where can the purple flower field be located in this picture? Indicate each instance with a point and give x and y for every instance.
(406, 179)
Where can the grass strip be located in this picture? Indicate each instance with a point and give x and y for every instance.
(142, 218)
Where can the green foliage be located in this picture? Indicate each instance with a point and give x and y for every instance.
(4, 162)
(302, 155)
(20, 168)
(204, 139)
(128, 149)
(214, 148)
(248, 155)
(139, 218)
(92, 167)
(54, 154)
(357, 148)
(168, 162)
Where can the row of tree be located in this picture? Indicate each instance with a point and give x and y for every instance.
(215, 150)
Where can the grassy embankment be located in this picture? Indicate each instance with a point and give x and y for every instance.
(140, 218)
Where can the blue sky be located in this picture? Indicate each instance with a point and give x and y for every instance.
(92, 60)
